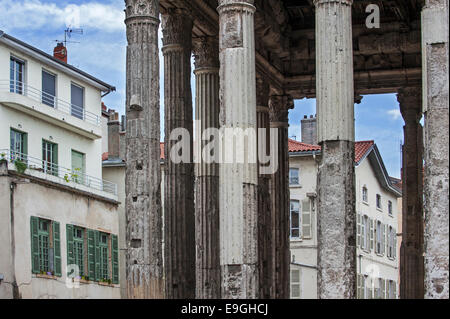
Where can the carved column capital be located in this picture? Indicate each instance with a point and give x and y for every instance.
(279, 106)
(206, 52)
(410, 100)
(176, 28)
(236, 5)
(141, 9)
(320, 2)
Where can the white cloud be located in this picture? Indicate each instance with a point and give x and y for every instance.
(34, 14)
(394, 114)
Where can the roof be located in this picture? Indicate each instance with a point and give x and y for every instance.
(105, 155)
(33, 51)
(362, 148)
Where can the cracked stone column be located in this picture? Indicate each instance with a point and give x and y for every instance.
(336, 177)
(279, 106)
(144, 263)
(238, 175)
(411, 252)
(206, 52)
(264, 206)
(179, 214)
(435, 69)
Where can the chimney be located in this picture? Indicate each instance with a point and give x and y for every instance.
(60, 52)
(113, 135)
(309, 130)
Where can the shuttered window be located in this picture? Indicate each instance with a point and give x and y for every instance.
(48, 88)
(295, 283)
(104, 257)
(45, 246)
(295, 220)
(77, 101)
(306, 219)
(18, 145)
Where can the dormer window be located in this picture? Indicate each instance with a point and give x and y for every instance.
(365, 194)
(379, 201)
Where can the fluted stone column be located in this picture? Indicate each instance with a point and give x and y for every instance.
(264, 206)
(279, 106)
(144, 264)
(336, 177)
(411, 252)
(206, 52)
(435, 68)
(179, 219)
(238, 179)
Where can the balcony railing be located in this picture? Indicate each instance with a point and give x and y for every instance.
(64, 174)
(50, 100)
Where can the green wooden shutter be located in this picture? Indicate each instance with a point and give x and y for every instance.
(57, 248)
(69, 237)
(371, 234)
(34, 224)
(115, 259)
(25, 145)
(97, 255)
(91, 253)
(358, 230)
(306, 218)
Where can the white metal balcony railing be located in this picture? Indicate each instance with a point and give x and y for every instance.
(66, 175)
(50, 100)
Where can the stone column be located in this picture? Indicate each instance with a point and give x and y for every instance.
(336, 177)
(435, 68)
(279, 106)
(144, 264)
(264, 206)
(206, 52)
(238, 176)
(411, 252)
(179, 215)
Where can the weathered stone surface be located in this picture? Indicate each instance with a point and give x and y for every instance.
(411, 251)
(179, 215)
(143, 177)
(238, 181)
(435, 49)
(279, 106)
(208, 280)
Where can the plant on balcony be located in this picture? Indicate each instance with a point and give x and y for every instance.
(3, 158)
(66, 178)
(20, 166)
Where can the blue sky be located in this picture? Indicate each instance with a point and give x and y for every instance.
(102, 50)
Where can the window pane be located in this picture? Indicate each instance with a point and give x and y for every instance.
(77, 101)
(48, 89)
(294, 176)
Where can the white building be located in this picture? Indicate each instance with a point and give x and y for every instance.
(377, 220)
(59, 215)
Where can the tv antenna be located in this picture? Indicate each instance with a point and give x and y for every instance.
(68, 34)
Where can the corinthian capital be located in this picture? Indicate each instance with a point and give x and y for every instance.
(279, 106)
(142, 9)
(206, 52)
(177, 27)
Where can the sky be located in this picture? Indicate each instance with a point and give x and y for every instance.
(101, 51)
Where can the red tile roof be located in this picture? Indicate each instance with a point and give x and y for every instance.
(361, 148)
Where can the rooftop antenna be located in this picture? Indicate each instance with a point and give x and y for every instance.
(68, 34)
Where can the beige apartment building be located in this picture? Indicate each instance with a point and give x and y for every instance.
(59, 216)
(377, 211)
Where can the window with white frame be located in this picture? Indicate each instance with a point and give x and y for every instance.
(379, 206)
(295, 283)
(391, 242)
(294, 176)
(390, 212)
(364, 231)
(378, 238)
(295, 229)
(365, 194)
(16, 75)
(391, 289)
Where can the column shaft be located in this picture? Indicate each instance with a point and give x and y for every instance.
(144, 265)
(179, 218)
(435, 68)
(279, 197)
(206, 51)
(238, 179)
(336, 177)
(411, 252)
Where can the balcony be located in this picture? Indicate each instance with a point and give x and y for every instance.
(49, 108)
(58, 174)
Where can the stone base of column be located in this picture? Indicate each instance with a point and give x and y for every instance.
(336, 221)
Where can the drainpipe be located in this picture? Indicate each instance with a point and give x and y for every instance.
(13, 241)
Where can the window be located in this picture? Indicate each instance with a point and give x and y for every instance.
(50, 157)
(364, 232)
(365, 194)
(379, 201)
(390, 208)
(16, 75)
(78, 167)
(391, 289)
(77, 101)
(95, 253)
(294, 178)
(378, 238)
(361, 286)
(306, 219)
(295, 219)
(18, 145)
(391, 242)
(45, 246)
(295, 284)
(48, 88)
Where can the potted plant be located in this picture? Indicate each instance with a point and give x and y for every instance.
(20, 166)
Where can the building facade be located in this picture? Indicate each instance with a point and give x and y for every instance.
(60, 216)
